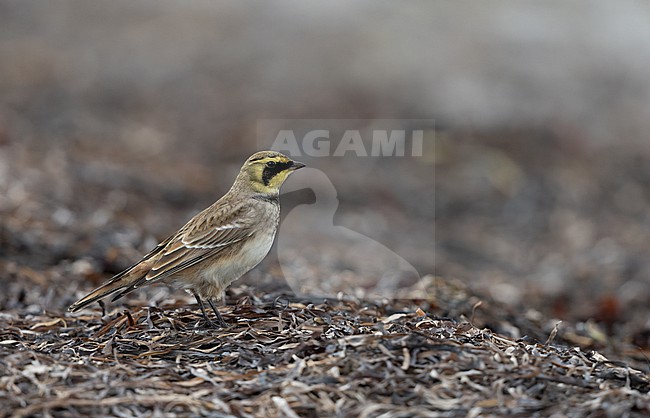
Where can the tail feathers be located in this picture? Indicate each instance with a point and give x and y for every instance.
(123, 283)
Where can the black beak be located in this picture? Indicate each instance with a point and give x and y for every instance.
(296, 165)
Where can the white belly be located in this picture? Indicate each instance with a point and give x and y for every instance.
(222, 274)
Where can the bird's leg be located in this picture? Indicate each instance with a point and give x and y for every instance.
(216, 312)
(205, 314)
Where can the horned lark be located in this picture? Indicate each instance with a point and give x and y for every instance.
(218, 245)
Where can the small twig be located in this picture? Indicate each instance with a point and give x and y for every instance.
(553, 333)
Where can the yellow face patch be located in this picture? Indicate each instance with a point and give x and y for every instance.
(268, 172)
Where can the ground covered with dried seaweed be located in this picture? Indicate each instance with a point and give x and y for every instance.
(282, 356)
(458, 347)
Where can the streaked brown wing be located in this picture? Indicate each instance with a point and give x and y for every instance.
(143, 260)
(202, 238)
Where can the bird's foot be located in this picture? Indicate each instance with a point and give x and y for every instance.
(220, 320)
(220, 323)
(214, 324)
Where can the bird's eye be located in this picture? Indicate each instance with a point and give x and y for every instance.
(270, 164)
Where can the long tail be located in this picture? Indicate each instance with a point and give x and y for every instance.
(124, 283)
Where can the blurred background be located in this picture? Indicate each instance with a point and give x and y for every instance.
(119, 120)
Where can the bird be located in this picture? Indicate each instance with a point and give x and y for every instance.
(218, 245)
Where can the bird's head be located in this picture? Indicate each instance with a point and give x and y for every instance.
(265, 171)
